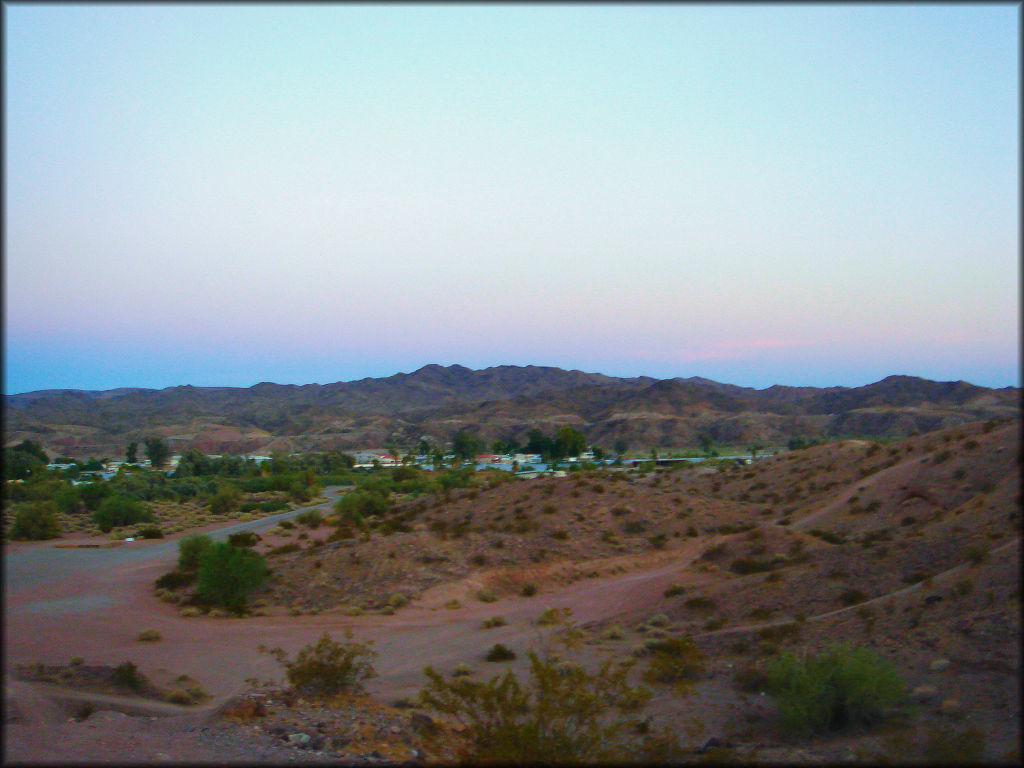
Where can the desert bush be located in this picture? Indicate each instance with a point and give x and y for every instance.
(225, 500)
(227, 575)
(284, 549)
(397, 600)
(840, 687)
(191, 549)
(562, 714)
(831, 538)
(499, 652)
(149, 532)
(674, 660)
(478, 560)
(115, 511)
(311, 518)
(127, 675)
(745, 565)
(328, 667)
(486, 596)
(976, 554)
(529, 589)
(35, 522)
(614, 632)
(851, 596)
(550, 616)
(700, 603)
(148, 636)
(674, 590)
(180, 697)
(244, 539)
(657, 541)
(749, 678)
(175, 579)
(494, 621)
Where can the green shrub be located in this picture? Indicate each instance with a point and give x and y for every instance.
(284, 549)
(227, 575)
(673, 660)
(840, 687)
(149, 532)
(562, 714)
(397, 600)
(175, 579)
(976, 554)
(191, 549)
(127, 675)
(494, 621)
(148, 636)
(225, 500)
(499, 652)
(486, 596)
(328, 667)
(528, 590)
(244, 539)
(675, 589)
(700, 603)
(35, 522)
(311, 518)
(852, 596)
(116, 511)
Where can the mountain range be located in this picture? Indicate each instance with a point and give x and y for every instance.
(502, 402)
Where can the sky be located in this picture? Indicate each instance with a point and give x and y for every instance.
(220, 195)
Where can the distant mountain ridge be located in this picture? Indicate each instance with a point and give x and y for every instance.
(500, 402)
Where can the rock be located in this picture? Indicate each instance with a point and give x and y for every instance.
(938, 665)
(924, 693)
(421, 723)
(298, 739)
(949, 707)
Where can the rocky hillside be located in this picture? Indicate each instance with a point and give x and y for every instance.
(503, 402)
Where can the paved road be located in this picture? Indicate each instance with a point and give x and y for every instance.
(49, 564)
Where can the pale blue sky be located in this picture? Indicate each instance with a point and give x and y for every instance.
(221, 195)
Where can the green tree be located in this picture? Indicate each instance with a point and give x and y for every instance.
(157, 451)
(228, 574)
(569, 442)
(705, 443)
(131, 455)
(620, 446)
(92, 494)
(466, 445)
(20, 464)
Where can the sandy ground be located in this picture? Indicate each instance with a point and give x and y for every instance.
(91, 603)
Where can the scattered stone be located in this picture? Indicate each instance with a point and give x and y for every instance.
(298, 739)
(924, 693)
(939, 664)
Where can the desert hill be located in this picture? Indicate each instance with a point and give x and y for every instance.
(503, 402)
(910, 549)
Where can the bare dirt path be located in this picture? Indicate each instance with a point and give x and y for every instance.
(61, 603)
